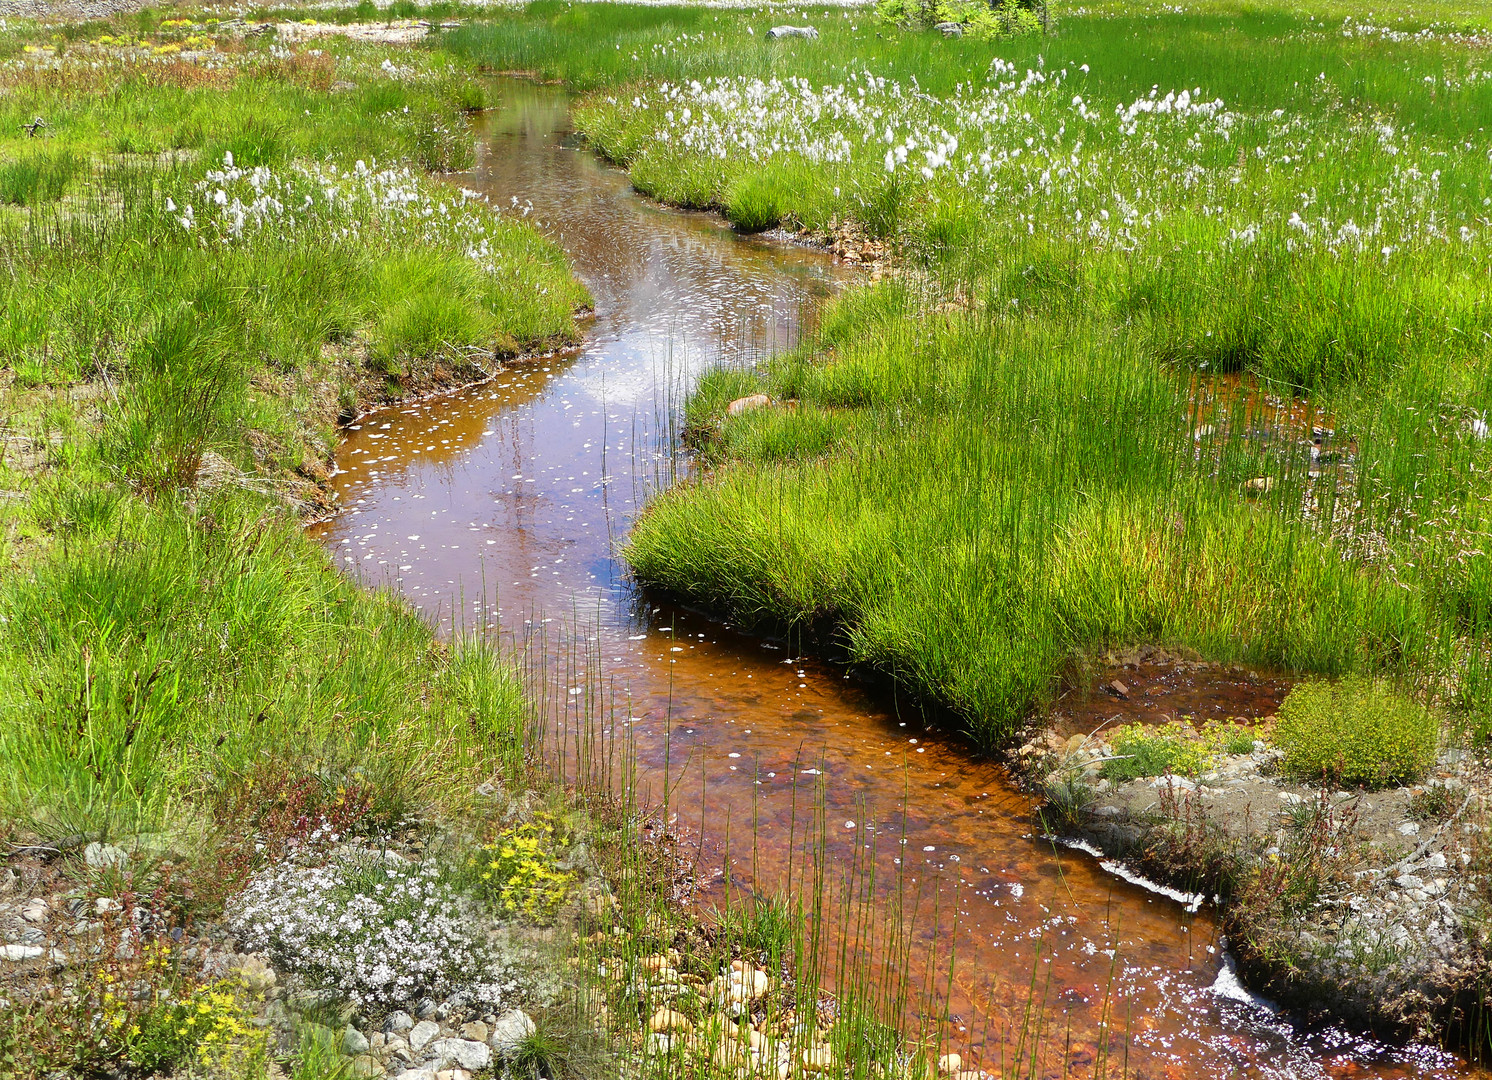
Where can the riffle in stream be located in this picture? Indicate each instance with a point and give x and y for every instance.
(503, 505)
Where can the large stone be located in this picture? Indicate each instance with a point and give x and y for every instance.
(354, 1042)
(793, 31)
(463, 1053)
(398, 1022)
(417, 1074)
(422, 1033)
(20, 952)
(509, 1031)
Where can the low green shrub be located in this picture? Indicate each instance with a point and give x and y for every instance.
(981, 21)
(1142, 750)
(1357, 731)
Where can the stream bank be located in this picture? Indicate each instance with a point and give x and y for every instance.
(502, 508)
(1365, 906)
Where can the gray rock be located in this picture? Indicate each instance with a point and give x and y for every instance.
(35, 911)
(398, 1022)
(793, 31)
(20, 952)
(32, 935)
(101, 856)
(953, 29)
(509, 1032)
(421, 1034)
(464, 1053)
(354, 1042)
(421, 1073)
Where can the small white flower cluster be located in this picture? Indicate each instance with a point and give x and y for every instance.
(311, 202)
(378, 931)
(1051, 161)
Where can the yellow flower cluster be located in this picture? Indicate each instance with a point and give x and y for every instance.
(212, 1027)
(227, 1041)
(520, 871)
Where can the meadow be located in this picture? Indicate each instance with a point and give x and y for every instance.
(1146, 256)
(210, 255)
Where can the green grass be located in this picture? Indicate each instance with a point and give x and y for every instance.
(954, 494)
(1048, 451)
(178, 337)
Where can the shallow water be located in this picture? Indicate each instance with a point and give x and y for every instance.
(503, 504)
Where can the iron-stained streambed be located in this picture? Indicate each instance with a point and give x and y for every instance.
(504, 504)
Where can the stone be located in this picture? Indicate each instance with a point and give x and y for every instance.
(950, 29)
(35, 911)
(1259, 485)
(354, 1042)
(255, 973)
(808, 32)
(746, 404)
(365, 1065)
(417, 1074)
(1409, 828)
(102, 856)
(422, 1033)
(950, 1063)
(509, 1031)
(398, 1022)
(666, 1021)
(1118, 689)
(20, 952)
(476, 1031)
(817, 1059)
(465, 1053)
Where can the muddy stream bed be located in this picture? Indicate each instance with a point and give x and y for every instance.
(504, 504)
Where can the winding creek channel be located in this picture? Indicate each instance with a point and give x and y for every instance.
(505, 504)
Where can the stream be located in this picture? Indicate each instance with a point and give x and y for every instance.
(504, 504)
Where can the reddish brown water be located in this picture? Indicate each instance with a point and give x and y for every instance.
(503, 504)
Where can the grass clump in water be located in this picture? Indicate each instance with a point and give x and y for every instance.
(1359, 731)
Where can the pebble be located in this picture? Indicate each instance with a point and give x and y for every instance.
(466, 1053)
(509, 1032)
(398, 1022)
(354, 1042)
(102, 856)
(818, 1059)
(950, 1063)
(421, 1034)
(20, 952)
(35, 911)
(666, 1021)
